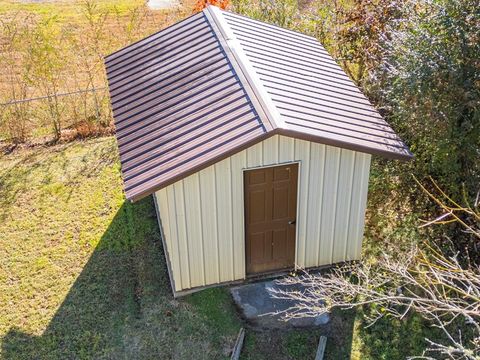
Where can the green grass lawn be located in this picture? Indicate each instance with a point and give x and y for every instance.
(82, 272)
(82, 275)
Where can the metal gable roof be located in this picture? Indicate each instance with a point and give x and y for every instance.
(177, 104)
(309, 93)
(216, 83)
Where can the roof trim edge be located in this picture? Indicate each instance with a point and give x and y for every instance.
(345, 145)
(202, 166)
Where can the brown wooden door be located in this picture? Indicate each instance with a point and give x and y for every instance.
(270, 218)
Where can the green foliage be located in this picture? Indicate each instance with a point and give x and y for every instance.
(363, 26)
(392, 339)
(428, 85)
(432, 90)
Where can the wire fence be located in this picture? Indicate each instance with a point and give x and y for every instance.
(84, 111)
(13, 102)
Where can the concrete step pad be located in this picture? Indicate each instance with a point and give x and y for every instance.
(260, 308)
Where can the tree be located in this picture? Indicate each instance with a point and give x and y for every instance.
(363, 27)
(428, 84)
(201, 4)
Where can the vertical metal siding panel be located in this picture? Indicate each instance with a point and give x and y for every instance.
(238, 163)
(321, 181)
(193, 222)
(162, 203)
(330, 184)
(360, 191)
(255, 155)
(173, 249)
(356, 190)
(209, 224)
(302, 152)
(344, 195)
(286, 149)
(182, 234)
(224, 218)
(270, 151)
(314, 202)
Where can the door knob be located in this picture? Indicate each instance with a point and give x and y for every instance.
(293, 222)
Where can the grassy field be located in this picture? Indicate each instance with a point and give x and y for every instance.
(66, 10)
(82, 275)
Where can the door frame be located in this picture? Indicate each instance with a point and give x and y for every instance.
(299, 178)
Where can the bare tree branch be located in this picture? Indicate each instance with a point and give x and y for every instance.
(430, 280)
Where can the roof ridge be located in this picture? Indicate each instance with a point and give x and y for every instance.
(261, 100)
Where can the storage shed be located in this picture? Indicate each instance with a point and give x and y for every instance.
(254, 143)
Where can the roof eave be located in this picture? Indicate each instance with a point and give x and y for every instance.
(134, 197)
(405, 155)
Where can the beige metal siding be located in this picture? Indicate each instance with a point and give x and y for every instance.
(202, 215)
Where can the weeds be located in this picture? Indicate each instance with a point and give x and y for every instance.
(54, 83)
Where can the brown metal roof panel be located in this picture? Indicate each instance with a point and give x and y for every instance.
(287, 62)
(158, 54)
(329, 130)
(305, 73)
(134, 48)
(297, 98)
(197, 140)
(310, 91)
(330, 110)
(176, 91)
(269, 29)
(205, 64)
(183, 161)
(193, 97)
(280, 52)
(189, 109)
(329, 119)
(253, 36)
(295, 62)
(168, 81)
(312, 77)
(169, 125)
(338, 140)
(207, 48)
(316, 95)
(185, 133)
(250, 43)
(314, 88)
(177, 102)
